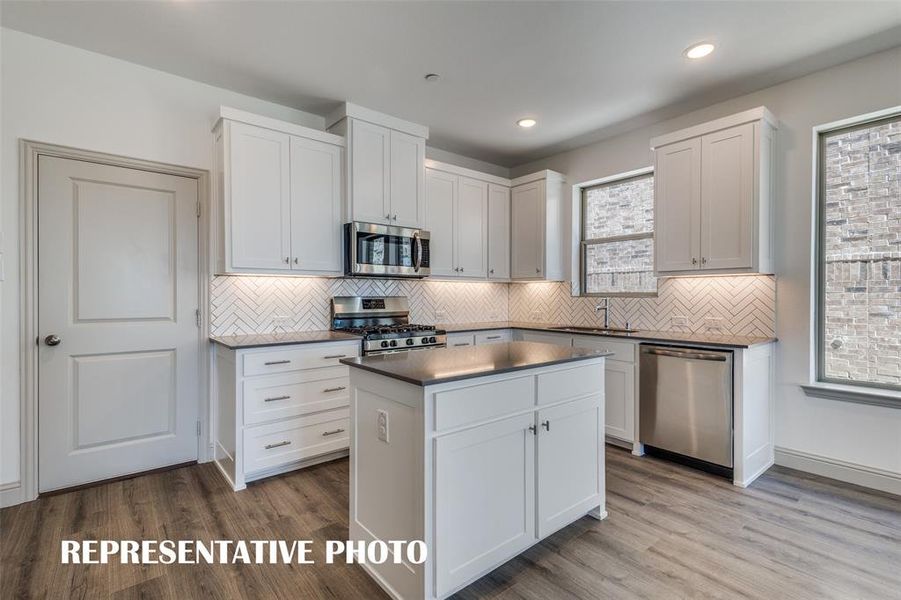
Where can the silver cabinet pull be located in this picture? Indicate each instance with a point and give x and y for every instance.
(533, 429)
(334, 356)
(276, 362)
(703, 260)
(461, 344)
(394, 218)
(388, 217)
(694, 261)
(287, 259)
(461, 269)
(335, 389)
(296, 260)
(537, 269)
(547, 425)
(328, 433)
(276, 398)
(278, 445)
(493, 337)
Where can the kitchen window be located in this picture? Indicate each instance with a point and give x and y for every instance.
(859, 254)
(617, 249)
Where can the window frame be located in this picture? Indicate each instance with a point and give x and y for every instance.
(819, 253)
(582, 189)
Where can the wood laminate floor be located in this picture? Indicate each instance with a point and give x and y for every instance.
(671, 533)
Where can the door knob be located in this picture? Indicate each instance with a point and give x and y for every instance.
(52, 340)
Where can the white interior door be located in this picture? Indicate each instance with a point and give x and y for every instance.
(118, 286)
(472, 228)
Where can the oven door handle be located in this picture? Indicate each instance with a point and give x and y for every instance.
(417, 253)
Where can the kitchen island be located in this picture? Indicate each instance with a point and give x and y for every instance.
(480, 452)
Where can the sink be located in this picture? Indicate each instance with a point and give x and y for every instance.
(594, 329)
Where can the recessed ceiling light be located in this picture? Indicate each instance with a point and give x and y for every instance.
(526, 123)
(698, 50)
(432, 77)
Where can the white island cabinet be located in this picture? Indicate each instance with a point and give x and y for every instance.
(480, 452)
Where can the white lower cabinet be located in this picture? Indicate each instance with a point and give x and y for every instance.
(559, 339)
(495, 336)
(487, 472)
(456, 340)
(619, 391)
(570, 464)
(280, 408)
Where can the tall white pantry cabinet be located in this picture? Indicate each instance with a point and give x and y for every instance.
(713, 196)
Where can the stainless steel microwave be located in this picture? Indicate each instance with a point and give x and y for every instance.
(374, 250)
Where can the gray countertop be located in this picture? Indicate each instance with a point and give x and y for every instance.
(644, 335)
(260, 340)
(428, 367)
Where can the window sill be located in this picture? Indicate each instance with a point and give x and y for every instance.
(852, 393)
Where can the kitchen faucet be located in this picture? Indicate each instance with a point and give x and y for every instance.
(606, 308)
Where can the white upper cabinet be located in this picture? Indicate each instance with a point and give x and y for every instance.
(472, 228)
(316, 169)
(258, 199)
(713, 196)
(386, 166)
(498, 231)
(407, 180)
(278, 189)
(537, 235)
(441, 194)
(370, 147)
(457, 217)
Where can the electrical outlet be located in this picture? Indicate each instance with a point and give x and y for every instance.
(714, 322)
(536, 315)
(493, 315)
(440, 315)
(679, 321)
(383, 425)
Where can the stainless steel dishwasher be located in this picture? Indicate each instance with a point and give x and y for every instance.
(685, 404)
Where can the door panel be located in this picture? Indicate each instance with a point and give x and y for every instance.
(527, 230)
(315, 206)
(117, 282)
(498, 232)
(260, 215)
(472, 228)
(570, 462)
(484, 498)
(441, 193)
(369, 154)
(619, 400)
(677, 195)
(407, 171)
(727, 198)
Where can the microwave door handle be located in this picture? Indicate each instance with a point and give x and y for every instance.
(417, 254)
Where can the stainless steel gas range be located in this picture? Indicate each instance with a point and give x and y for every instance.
(384, 324)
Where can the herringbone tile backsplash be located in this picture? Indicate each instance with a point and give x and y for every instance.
(740, 305)
(735, 305)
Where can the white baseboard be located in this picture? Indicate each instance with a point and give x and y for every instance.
(877, 479)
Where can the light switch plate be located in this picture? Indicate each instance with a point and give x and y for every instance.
(680, 321)
(714, 322)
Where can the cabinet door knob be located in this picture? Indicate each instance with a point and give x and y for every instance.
(694, 261)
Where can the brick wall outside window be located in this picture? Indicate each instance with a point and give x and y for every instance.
(862, 252)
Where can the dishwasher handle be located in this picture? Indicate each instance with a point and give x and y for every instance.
(690, 354)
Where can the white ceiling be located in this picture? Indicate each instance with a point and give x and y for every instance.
(584, 70)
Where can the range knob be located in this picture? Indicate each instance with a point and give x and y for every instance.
(393, 343)
(384, 344)
(409, 341)
(424, 340)
(432, 340)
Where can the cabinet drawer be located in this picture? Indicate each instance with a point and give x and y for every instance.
(542, 337)
(479, 402)
(294, 358)
(622, 351)
(570, 383)
(455, 340)
(277, 444)
(494, 337)
(283, 396)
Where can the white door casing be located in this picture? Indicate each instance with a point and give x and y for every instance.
(118, 283)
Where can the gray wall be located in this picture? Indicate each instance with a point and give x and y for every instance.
(843, 432)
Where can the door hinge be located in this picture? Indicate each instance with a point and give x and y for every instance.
(198, 209)
(197, 316)
(198, 428)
